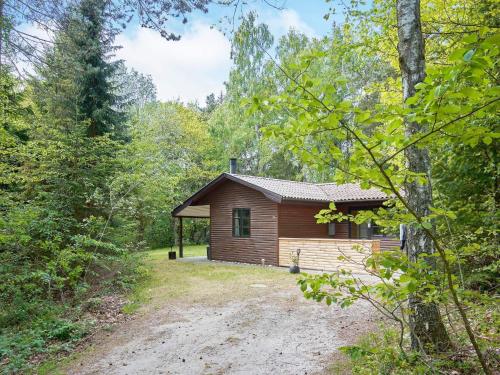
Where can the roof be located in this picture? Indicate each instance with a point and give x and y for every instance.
(283, 190)
(307, 191)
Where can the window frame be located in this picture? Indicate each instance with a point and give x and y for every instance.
(237, 215)
(371, 225)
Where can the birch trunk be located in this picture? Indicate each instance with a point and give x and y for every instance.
(428, 331)
(1, 32)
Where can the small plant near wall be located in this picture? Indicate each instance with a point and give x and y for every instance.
(294, 258)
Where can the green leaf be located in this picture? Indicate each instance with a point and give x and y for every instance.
(468, 55)
(427, 225)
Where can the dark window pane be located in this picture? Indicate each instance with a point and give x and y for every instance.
(236, 227)
(241, 222)
(363, 230)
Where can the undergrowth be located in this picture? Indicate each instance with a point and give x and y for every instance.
(379, 353)
(37, 330)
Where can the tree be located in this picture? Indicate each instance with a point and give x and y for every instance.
(453, 104)
(136, 88)
(169, 157)
(13, 128)
(428, 331)
(237, 132)
(90, 45)
(79, 73)
(76, 92)
(246, 79)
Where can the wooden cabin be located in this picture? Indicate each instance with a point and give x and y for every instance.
(265, 220)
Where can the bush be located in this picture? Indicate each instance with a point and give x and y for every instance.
(379, 353)
(47, 333)
(43, 291)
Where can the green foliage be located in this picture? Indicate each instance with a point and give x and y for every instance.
(170, 156)
(378, 353)
(46, 333)
(59, 148)
(332, 124)
(398, 279)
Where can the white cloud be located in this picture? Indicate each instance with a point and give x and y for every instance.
(189, 69)
(195, 66)
(287, 19)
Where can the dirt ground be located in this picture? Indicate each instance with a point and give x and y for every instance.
(270, 329)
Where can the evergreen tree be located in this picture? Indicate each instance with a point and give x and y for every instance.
(90, 44)
(79, 72)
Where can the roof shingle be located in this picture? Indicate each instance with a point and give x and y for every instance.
(328, 192)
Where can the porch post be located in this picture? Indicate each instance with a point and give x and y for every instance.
(181, 247)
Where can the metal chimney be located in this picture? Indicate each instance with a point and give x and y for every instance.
(232, 165)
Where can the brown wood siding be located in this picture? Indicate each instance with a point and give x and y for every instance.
(263, 240)
(298, 221)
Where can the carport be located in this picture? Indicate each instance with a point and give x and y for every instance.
(192, 212)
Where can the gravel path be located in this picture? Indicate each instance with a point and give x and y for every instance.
(279, 332)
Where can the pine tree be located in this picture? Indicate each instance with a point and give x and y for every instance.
(91, 45)
(80, 118)
(80, 72)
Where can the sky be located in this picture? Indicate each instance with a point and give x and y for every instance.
(196, 66)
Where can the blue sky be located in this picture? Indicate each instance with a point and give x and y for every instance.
(199, 63)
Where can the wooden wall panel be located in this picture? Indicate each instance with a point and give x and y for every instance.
(263, 240)
(297, 220)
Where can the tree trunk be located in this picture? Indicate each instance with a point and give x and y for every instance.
(1, 32)
(428, 331)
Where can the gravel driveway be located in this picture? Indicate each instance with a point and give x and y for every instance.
(275, 331)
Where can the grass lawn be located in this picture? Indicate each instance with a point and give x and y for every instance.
(199, 282)
(189, 251)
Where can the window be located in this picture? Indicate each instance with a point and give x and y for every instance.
(369, 230)
(364, 230)
(241, 222)
(331, 229)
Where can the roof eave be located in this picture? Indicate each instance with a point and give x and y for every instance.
(289, 199)
(204, 190)
(361, 200)
(305, 200)
(197, 195)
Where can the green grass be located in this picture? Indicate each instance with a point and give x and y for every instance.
(189, 251)
(199, 282)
